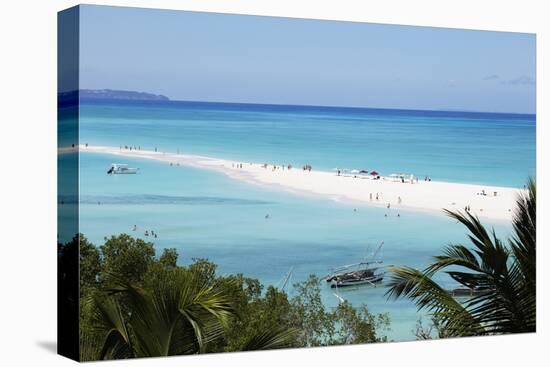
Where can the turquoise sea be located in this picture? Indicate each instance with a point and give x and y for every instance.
(205, 214)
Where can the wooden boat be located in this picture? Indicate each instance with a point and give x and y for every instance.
(468, 292)
(367, 277)
(362, 273)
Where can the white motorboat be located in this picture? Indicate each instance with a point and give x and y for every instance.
(118, 168)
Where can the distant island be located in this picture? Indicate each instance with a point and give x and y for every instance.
(120, 95)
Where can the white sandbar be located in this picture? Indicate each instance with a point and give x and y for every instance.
(421, 196)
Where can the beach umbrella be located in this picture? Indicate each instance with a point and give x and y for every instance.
(374, 173)
(354, 171)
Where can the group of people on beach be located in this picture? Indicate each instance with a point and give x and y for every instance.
(483, 193)
(147, 232)
(275, 167)
(378, 196)
(129, 147)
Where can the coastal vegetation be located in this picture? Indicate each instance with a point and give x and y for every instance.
(136, 304)
(499, 274)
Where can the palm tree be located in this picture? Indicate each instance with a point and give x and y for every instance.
(503, 274)
(180, 314)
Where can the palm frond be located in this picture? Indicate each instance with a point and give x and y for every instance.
(181, 314)
(109, 323)
(523, 245)
(426, 293)
(505, 275)
(271, 339)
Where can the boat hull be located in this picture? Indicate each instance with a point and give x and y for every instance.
(355, 282)
(124, 172)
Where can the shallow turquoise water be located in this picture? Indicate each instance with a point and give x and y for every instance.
(205, 214)
(482, 148)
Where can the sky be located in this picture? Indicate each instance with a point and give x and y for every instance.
(253, 59)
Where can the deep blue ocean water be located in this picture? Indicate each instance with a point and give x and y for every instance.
(486, 148)
(205, 214)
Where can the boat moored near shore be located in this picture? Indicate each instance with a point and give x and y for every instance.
(118, 168)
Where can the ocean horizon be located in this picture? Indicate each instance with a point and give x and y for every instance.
(282, 106)
(465, 147)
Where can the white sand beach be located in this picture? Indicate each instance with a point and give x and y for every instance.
(423, 195)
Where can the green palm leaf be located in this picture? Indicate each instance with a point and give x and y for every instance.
(504, 275)
(426, 293)
(181, 314)
(270, 339)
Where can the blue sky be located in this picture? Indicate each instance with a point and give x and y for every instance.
(252, 59)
